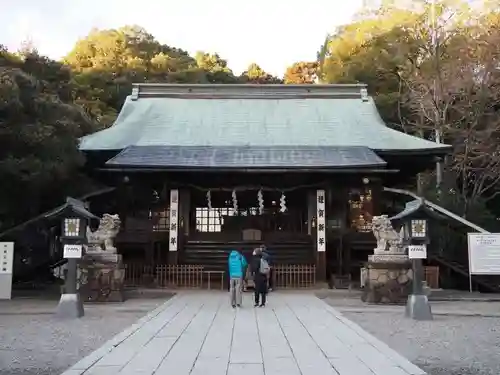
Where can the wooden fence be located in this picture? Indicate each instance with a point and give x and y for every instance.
(163, 276)
(294, 276)
(179, 276)
(195, 276)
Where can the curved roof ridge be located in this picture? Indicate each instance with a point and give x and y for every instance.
(237, 91)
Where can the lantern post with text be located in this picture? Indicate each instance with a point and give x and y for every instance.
(417, 236)
(74, 223)
(414, 220)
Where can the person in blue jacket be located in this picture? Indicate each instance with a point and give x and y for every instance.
(237, 265)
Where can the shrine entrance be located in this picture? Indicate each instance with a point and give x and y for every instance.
(228, 215)
(246, 169)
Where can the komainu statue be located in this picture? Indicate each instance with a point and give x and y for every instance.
(388, 240)
(103, 237)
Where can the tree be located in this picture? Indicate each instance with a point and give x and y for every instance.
(431, 71)
(255, 74)
(39, 129)
(211, 62)
(215, 68)
(27, 48)
(460, 99)
(107, 62)
(301, 72)
(125, 50)
(372, 50)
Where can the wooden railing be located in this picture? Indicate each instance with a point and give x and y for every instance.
(163, 276)
(139, 275)
(195, 276)
(294, 276)
(179, 276)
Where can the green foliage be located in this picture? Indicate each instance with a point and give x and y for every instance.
(211, 62)
(45, 105)
(432, 70)
(255, 74)
(107, 62)
(301, 73)
(39, 128)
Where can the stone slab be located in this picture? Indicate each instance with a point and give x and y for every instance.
(199, 333)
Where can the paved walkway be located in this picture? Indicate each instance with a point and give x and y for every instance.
(200, 334)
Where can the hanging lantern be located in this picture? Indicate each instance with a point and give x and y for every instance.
(209, 200)
(282, 202)
(235, 201)
(260, 200)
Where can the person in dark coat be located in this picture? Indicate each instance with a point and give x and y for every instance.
(259, 279)
(267, 257)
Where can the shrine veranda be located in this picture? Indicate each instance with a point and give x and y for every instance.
(201, 169)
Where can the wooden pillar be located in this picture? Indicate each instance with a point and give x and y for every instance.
(184, 211)
(376, 187)
(311, 214)
(183, 222)
(320, 235)
(174, 227)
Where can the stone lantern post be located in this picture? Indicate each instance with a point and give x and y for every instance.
(74, 223)
(415, 223)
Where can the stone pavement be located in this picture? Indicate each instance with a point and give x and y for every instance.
(198, 333)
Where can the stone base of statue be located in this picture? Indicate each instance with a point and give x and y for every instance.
(102, 277)
(387, 279)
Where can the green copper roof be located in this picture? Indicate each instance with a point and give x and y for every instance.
(252, 115)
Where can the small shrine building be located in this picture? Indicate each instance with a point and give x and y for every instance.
(202, 169)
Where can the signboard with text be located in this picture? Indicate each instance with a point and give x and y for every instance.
(484, 253)
(6, 268)
(417, 252)
(72, 251)
(6, 257)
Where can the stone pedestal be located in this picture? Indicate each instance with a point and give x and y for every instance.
(387, 279)
(70, 307)
(102, 277)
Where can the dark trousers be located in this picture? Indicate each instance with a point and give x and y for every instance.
(270, 282)
(260, 290)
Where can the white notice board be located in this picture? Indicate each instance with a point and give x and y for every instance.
(417, 252)
(484, 253)
(6, 257)
(72, 251)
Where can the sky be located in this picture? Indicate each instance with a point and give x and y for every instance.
(272, 33)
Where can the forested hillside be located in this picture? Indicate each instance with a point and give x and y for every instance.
(433, 72)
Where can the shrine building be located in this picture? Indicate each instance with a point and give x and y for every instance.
(203, 169)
